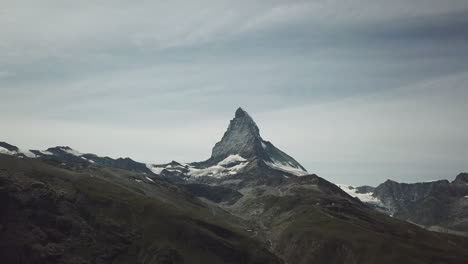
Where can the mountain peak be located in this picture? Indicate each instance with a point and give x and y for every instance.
(241, 112)
(243, 138)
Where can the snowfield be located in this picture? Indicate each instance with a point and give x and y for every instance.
(26, 153)
(364, 197)
(156, 170)
(221, 169)
(286, 167)
(6, 151)
(231, 159)
(72, 151)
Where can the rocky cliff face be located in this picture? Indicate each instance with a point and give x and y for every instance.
(243, 138)
(442, 205)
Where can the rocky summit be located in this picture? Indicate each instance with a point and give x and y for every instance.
(242, 157)
(243, 138)
(248, 203)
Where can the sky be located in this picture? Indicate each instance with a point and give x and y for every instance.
(358, 91)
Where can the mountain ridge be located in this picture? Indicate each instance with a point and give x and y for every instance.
(438, 205)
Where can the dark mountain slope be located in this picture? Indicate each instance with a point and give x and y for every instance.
(436, 204)
(309, 220)
(52, 215)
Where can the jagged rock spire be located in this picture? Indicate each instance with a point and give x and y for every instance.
(243, 138)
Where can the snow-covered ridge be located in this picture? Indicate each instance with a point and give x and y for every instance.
(174, 166)
(231, 159)
(14, 151)
(72, 151)
(155, 169)
(286, 167)
(364, 197)
(6, 151)
(229, 166)
(26, 153)
(222, 169)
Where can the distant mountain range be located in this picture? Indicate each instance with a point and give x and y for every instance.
(437, 205)
(248, 203)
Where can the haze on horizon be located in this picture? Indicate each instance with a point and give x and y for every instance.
(356, 91)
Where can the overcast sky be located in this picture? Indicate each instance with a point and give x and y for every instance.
(357, 91)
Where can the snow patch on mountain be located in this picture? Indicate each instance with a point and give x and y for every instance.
(149, 179)
(6, 151)
(72, 151)
(286, 167)
(222, 169)
(231, 159)
(155, 169)
(26, 153)
(364, 197)
(176, 167)
(88, 160)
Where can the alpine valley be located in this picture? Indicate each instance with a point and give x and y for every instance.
(248, 203)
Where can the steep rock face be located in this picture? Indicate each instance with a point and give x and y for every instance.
(243, 138)
(394, 191)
